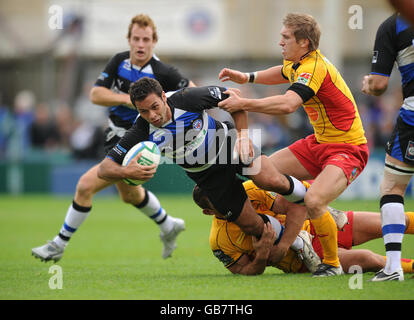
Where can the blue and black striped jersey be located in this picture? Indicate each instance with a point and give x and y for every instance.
(119, 74)
(192, 138)
(395, 43)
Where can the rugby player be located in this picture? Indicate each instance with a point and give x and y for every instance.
(244, 254)
(394, 43)
(111, 90)
(337, 152)
(204, 147)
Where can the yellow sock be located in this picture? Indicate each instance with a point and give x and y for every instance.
(406, 264)
(409, 228)
(326, 230)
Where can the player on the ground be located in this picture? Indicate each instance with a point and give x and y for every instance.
(111, 90)
(246, 255)
(337, 152)
(394, 43)
(204, 147)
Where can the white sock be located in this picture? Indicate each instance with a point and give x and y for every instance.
(152, 208)
(279, 228)
(298, 190)
(297, 244)
(75, 216)
(393, 227)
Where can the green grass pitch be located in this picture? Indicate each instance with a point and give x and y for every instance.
(116, 254)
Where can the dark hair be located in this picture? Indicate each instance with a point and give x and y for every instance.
(200, 198)
(140, 89)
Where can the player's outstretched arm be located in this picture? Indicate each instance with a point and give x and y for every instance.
(274, 105)
(110, 170)
(270, 76)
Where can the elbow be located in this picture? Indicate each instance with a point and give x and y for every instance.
(93, 96)
(290, 108)
(101, 172)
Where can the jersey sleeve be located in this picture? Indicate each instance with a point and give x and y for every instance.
(262, 200)
(107, 76)
(385, 51)
(137, 133)
(310, 77)
(197, 99)
(174, 80)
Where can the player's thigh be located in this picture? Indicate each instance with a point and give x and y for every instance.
(397, 176)
(286, 162)
(130, 194)
(326, 187)
(266, 176)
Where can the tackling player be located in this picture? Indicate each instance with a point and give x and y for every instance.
(337, 152)
(111, 90)
(394, 43)
(204, 147)
(239, 253)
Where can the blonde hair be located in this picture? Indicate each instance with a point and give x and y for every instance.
(304, 26)
(143, 21)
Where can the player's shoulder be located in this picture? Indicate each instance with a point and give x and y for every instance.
(121, 56)
(390, 24)
(161, 66)
(315, 63)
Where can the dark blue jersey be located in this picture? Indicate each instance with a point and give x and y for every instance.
(395, 43)
(192, 138)
(119, 73)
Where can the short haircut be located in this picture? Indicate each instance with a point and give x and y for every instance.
(200, 198)
(143, 21)
(304, 26)
(145, 86)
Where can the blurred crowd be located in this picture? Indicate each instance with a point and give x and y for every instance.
(33, 127)
(30, 126)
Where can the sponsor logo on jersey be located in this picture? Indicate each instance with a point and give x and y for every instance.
(197, 124)
(102, 76)
(215, 92)
(304, 78)
(224, 258)
(312, 113)
(375, 57)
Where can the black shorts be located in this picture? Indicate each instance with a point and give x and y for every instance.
(222, 184)
(111, 139)
(401, 143)
(223, 187)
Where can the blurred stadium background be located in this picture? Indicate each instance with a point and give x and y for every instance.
(50, 133)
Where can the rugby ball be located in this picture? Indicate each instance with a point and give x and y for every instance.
(150, 154)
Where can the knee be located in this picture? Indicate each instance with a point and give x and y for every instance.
(85, 186)
(313, 202)
(134, 195)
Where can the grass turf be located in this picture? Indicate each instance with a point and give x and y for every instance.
(116, 254)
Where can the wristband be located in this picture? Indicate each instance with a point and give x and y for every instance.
(252, 76)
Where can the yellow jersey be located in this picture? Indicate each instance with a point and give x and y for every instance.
(329, 104)
(228, 242)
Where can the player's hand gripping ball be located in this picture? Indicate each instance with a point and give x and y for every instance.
(150, 154)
